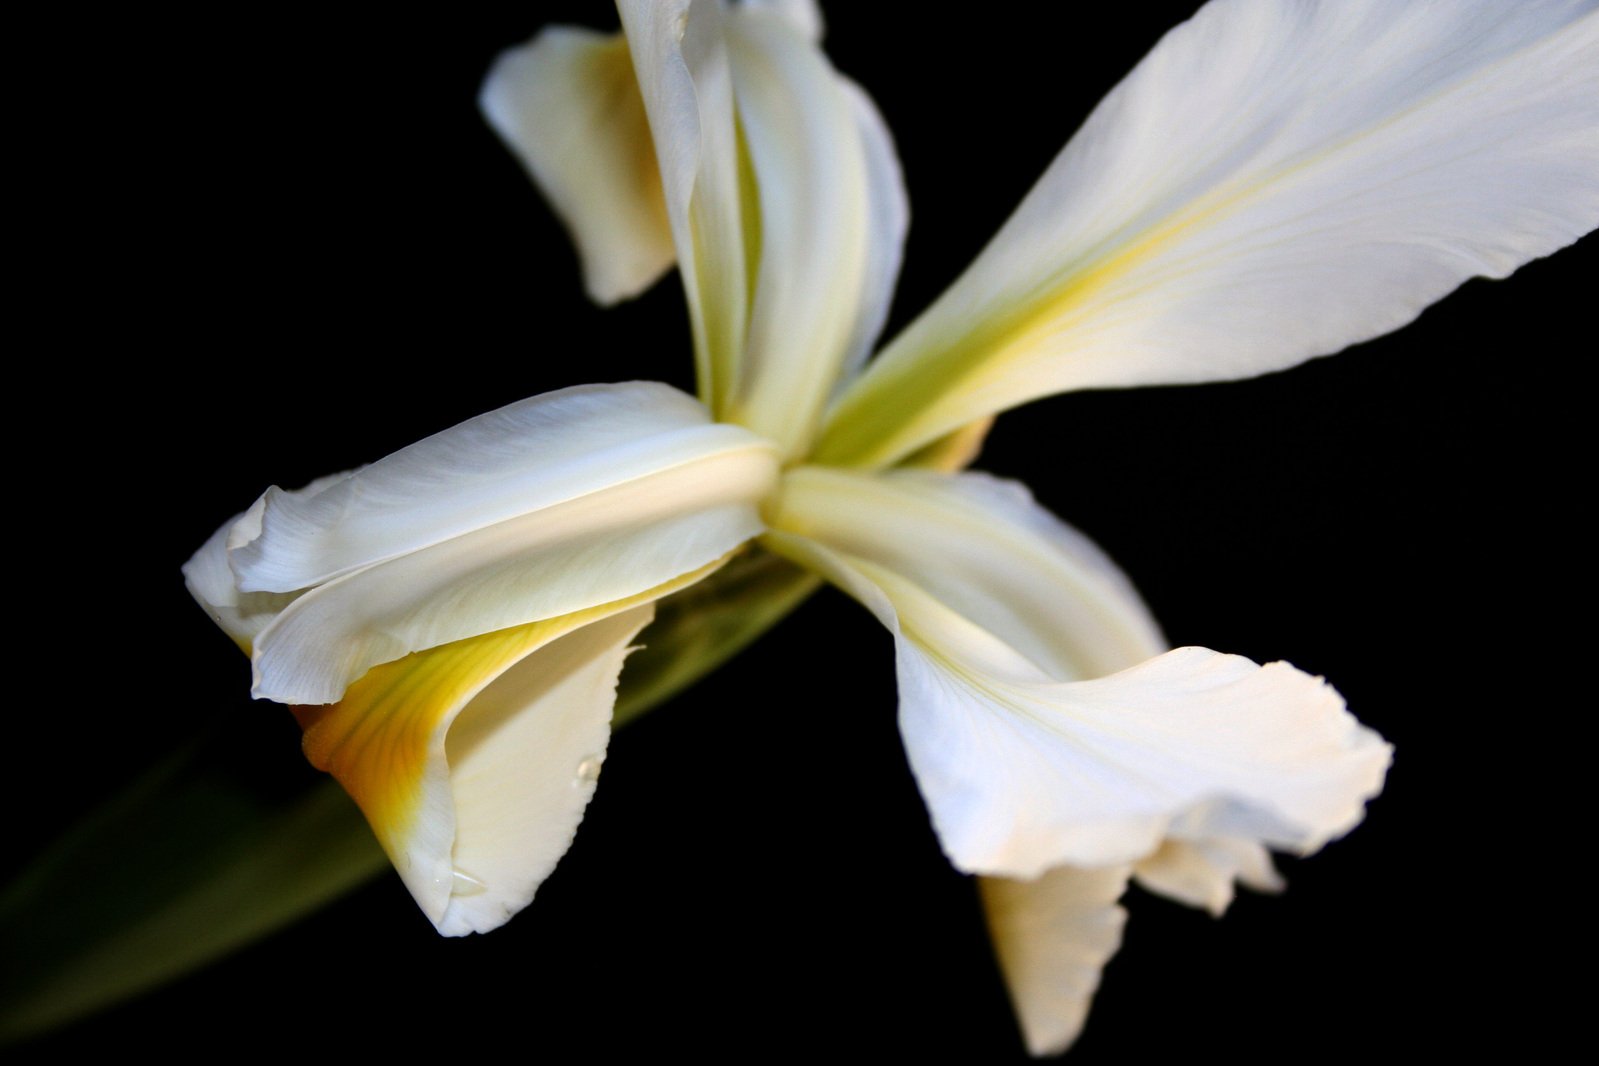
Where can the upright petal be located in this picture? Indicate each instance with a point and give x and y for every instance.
(811, 235)
(568, 105)
(786, 206)
(1052, 937)
(547, 507)
(803, 15)
(679, 54)
(1023, 771)
(1273, 182)
(473, 761)
(888, 218)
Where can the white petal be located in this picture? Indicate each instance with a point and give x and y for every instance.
(803, 15)
(1274, 182)
(680, 58)
(1021, 777)
(810, 237)
(524, 757)
(602, 547)
(1023, 772)
(568, 105)
(212, 582)
(473, 761)
(536, 453)
(888, 216)
(1053, 936)
(786, 204)
(990, 554)
(549, 506)
(1201, 873)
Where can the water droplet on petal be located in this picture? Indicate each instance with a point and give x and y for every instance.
(589, 769)
(464, 884)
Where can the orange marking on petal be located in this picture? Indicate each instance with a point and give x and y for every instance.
(380, 740)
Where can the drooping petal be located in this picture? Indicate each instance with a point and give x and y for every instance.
(473, 761)
(786, 206)
(568, 105)
(1052, 937)
(556, 504)
(985, 550)
(1272, 183)
(1202, 873)
(1023, 771)
(1047, 591)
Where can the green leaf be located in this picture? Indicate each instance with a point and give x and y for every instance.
(188, 864)
(193, 861)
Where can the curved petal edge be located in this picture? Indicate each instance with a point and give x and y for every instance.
(1034, 743)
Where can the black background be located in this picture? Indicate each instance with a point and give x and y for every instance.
(292, 247)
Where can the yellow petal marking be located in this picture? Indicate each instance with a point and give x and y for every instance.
(910, 397)
(380, 740)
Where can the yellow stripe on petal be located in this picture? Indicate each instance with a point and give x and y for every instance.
(904, 402)
(385, 742)
(1274, 182)
(378, 739)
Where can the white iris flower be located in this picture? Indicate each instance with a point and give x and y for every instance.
(1277, 180)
